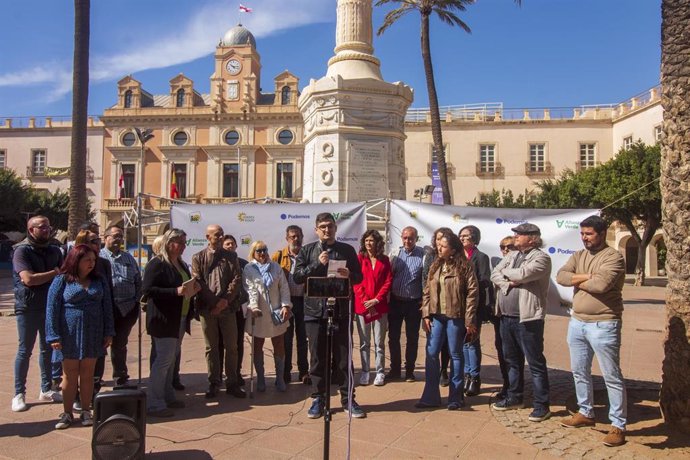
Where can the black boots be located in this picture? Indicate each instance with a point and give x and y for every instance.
(472, 385)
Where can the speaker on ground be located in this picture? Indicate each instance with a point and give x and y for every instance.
(119, 425)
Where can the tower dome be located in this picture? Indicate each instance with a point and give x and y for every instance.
(238, 35)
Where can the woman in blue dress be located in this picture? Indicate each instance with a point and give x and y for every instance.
(79, 323)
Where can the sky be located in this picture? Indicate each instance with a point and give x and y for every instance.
(544, 53)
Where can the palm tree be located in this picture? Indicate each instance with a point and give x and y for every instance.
(445, 10)
(675, 180)
(80, 106)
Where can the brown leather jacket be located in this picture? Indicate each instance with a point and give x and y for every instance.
(462, 294)
(229, 273)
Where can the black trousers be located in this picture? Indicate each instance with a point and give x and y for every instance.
(118, 350)
(407, 311)
(297, 328)
(316, 334)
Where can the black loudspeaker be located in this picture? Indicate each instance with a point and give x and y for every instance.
(119, 425)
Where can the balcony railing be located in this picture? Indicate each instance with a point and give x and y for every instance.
(119, 204)
(219, 200)
(545, 170)
(580, 166)
(48, 171)
(166, 203)
(35, 171)
(485, 171)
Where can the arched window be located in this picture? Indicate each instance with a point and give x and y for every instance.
(285, 95)
(179, 101)
(128, 99)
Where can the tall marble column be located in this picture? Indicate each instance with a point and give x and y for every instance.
(353, 119)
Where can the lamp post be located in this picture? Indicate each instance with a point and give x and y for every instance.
(144, 136)
(424, 192)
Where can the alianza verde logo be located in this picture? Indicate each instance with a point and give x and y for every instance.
(342, 215)
(195, 218)
(567, 224)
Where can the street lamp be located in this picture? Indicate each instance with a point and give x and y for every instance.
(424, 192)
(144, 136)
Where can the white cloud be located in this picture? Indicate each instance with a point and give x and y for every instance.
(186, 43)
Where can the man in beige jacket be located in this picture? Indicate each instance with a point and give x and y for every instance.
(597, 274)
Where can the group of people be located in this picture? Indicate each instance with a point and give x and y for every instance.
(88, 302)
(79, 303)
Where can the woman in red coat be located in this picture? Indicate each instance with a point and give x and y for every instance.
(371, 303)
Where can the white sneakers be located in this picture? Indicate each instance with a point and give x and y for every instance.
(380, 380)
(50, 396)
(19, 403)
(364, 378)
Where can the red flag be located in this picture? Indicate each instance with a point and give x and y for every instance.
(245, 9)
(121, 185)
(173, 184)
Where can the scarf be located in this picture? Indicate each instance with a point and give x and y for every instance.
(266, 276)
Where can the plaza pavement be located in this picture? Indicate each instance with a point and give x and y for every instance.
(274, 425)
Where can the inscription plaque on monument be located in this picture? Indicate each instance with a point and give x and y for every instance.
(368, 171)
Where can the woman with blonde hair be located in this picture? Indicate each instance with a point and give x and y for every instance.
(169, 290)
(269, 306)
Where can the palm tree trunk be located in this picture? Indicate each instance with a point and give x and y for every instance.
(80, 105)
(675, 181)
(439, 151)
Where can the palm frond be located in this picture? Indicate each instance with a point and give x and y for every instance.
(393, 16)
(452, 19)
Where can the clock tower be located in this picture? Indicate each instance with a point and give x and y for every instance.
(235, 83)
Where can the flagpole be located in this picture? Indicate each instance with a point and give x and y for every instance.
(239, 175)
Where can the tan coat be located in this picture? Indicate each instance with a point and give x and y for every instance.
(462, 294)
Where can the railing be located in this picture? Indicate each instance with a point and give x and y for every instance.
(580, 166)
(119, 204)
(482, 170)
(532, 169)
(166, 203)
(39, 171)
(48, 171)
(495, 112)
(45, 122)
(219, 200)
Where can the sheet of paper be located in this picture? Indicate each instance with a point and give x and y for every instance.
(334, 265)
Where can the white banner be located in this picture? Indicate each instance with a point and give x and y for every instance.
(560, 231)
(249, 222)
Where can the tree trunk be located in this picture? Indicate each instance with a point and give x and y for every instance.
(675, 182)
(439, 150)
(80, 106)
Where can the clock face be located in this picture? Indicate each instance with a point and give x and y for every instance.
(233, 66)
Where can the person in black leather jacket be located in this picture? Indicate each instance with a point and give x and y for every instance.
(312, 261)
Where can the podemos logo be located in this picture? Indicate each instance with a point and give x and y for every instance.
(244, 217)
(345, 239)
(295, 216)
(555, 250)
(500, 221)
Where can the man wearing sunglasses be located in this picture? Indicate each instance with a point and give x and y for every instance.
(312, 261)
(35, 263)
(126, 294)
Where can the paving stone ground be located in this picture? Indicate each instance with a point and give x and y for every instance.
(274, 425)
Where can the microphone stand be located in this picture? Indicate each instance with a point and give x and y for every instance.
(330, 328)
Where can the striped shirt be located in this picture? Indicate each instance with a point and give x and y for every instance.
(407, 273)
(126, 279)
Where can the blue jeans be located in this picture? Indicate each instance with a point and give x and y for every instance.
(30, 323)
(472, 352)
(520, 341)
(160, 391)
(452, 331)
(602, 338)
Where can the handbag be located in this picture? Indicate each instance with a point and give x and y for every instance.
(275, 316)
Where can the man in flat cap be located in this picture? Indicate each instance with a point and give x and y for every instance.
(522, 282)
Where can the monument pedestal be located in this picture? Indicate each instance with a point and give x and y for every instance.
(353, 120)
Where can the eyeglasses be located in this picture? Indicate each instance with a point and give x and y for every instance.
(261, 250)
(43, 227)
(116, 236)
(464, 237)
(507, 246)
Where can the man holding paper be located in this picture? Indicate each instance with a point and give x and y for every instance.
(317, 260)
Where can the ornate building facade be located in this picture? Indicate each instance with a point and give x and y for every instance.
(236, 142)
